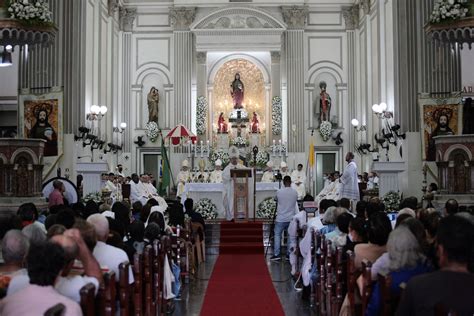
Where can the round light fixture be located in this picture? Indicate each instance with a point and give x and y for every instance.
(123, 125)
(383, 106)
(95, 109)
(355, 122)
(103, 109)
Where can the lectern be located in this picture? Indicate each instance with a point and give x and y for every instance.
(240, 180)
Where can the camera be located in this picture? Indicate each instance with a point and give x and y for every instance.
(277, 175)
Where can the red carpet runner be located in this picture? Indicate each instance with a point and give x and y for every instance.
(240, 283)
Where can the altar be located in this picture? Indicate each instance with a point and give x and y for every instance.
(216, 193)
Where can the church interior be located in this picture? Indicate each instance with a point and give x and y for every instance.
(224, 157)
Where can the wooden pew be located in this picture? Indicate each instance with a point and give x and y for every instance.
(366, 284)
(150, 303)
(316, 257)
(166, 305)
(106, 296)
(87, 293)
(351, 281)
(329, 277)
(138, 301)
(157, 281)
(124, 289)
(339, 283)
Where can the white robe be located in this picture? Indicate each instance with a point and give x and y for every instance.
(135, 193)
(299, 179)
(267, 176)
(216, 176)
(313, 225)
(331, 192)
(350, 185)
(183, 177)
(293, 234)
(229, 187)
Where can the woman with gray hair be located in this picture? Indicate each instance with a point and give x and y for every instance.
(406, 261)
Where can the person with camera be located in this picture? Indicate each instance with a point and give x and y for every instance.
(286, 199)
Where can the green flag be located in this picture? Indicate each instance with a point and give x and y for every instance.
(165, 170)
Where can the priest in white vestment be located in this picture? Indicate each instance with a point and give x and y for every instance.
(228, 183)
(284, 170)
(183, 176)
(201, 176)
(350, 186)
(298, 177)
(268, 174)
(216, 175)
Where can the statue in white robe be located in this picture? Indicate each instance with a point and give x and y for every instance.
(298, 177)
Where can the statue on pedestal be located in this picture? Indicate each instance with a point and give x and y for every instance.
(237, 92)
(324, 103)
(254, 127)
(153, 99)
(221, 124)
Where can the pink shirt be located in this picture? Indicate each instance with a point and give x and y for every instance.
(38, 300)
(55, 198)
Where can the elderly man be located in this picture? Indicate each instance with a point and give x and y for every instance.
(107, 256)
(216, 175)
(350, 186)
(183, 176)
(298, 177)
(268, 174)
(284, 170)
(15, 246)
(56, 196)
(45, 261)
(228, 183)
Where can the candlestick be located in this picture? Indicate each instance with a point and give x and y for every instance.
(200, 149)
(280, 146)
(274, 148)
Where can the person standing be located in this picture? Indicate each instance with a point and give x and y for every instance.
(286, 208)
(350, 185)
(56, 196)
(298, 177)
(228, 183)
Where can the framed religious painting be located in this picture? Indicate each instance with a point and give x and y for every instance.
(41, 116)
(440, 114)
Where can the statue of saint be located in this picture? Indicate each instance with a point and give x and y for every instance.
(237, 92)
(221, 124)
(153, 99)
(254, 127)
(324, 103)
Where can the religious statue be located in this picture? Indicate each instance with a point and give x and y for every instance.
(21, 174)
(153, 99)
(254, 127)
(221, 124)
(237, 92)
(442, 116)
(42, 129)
(324, 103)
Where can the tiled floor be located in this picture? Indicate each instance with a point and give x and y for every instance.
(193, 293)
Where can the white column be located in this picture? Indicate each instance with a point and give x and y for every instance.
(168, 97)
(309, 88)
(181, 18)
(268, 114)
(137, 91)
(210, 105)
(295, 18)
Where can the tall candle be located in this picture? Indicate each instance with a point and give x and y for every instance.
(201, 148)
(274, 148)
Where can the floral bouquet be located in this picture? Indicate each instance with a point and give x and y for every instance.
(391, 200)
(31, 12)
(266, 208)
(94, 196)
(276, 116)
(152, 131)
(206, 208)
(201, 112)
(262, 159)
(219, 154)
(449, 10)
(239, 141)
(325, 129)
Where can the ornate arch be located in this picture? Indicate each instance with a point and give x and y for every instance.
(214, 68)
(27, 151)
(455, 147)
(3, 158)
(326, 67)
(152, 68)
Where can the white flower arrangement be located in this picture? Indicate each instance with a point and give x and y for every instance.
(266, 208)
(201, 115)
(276, 116)
(449, 10)
(239, 141)
(325, 129)
(276, 148)
(94, 196)
(152, 131)
(206, 208)
(30, 11)
(219, 154)
(262, 159)
(391, 200)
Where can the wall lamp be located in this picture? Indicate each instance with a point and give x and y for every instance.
(112, 148)
(359, 128)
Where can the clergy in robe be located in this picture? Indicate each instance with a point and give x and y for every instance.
(350, 186)
(216, 175)
(228, 183)
(284, 170)
(298, 177)
(183, 176)
(268, 174)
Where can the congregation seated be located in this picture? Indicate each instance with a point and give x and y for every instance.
(15, 247)
(338, 237)
(193, 215)
(45, 261)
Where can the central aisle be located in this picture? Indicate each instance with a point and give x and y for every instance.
(240, 283)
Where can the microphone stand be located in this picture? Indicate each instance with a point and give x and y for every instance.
(271, 237)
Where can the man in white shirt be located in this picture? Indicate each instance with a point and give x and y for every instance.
(228, 183)
(284, 170)
(350, 186)
(268, 174)
(286, 209)
(183, 177)
(299, 178)
(216, 175)
(110, 185)
(120, 170)
(373, 181)
(107, 256)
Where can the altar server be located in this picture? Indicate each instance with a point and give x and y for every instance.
(183, 177)
(299, 179)
(216, 175)
(350, 186)
(268, 174)
(228, 183)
